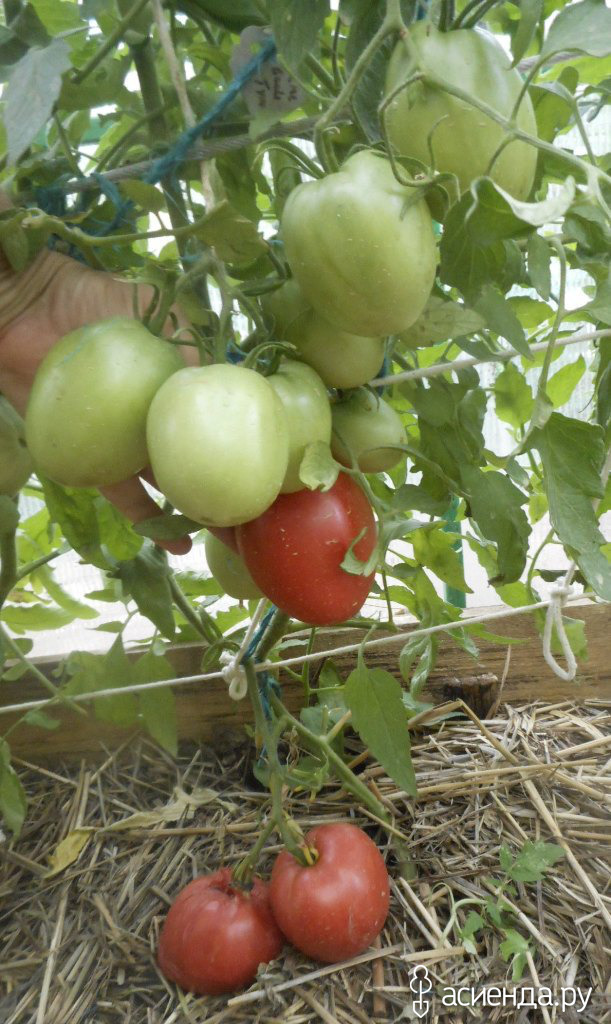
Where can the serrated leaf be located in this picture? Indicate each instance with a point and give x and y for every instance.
(440, 321)
(318, 470)
(496, 507)
(41, 719)
(435, 550)
(501, 318)
(496, 215)
(23, 618)
(32, 90)
(381, 719)
(531, 12)
(145, 579)
(296, 27)
(144, 195)
(584, 26)
(167, 527)
(234, 237)
(513, 397)
(572, 453)
(561, 385)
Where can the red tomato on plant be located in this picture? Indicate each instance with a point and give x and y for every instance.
(334, 909)
(215, 936)
(294, 551)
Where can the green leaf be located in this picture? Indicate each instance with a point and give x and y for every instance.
(13, 801)
(600, 306)
(74, 510)
(531, 12)
(496, 508)
(501, 318)
(554, 104)
(318, 470)
(414, 497)
(584, 26)
(146, 196)
(435, 549)
(539, 265)
(561, 385)
(513, 397)
(145, 579)
(440, 321)
(296, 26)
(57, 15)
(514, 946)
(41, 720)
(31, 93)
(380, 717)
(14, 244)
(157, 707)
(496, 215)
(23, 618)
(572, 453)
(234, 237)
(533, 861)
(167, 527)
(77, 609)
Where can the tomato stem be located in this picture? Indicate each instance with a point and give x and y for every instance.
(245, 870)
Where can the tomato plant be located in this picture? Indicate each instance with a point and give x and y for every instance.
(462, 138)
(308, 414)
(364, 258)
(334, 908)
(86, 417)
(295, 549)
(216, 935)
(341, 359)
(367, 427)
(218, 443)
(15, 460)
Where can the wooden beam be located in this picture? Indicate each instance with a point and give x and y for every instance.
(206, 713)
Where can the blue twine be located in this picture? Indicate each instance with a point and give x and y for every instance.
(254, 643)
(47, 198)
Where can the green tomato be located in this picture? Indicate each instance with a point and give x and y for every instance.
(341, 360)
(218, 443)
(365, 426)
(86, 417)
(308, 414)
(229, 570)
(365, 260)
(462, 137)
(15, 459)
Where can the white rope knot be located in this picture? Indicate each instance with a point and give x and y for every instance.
(558, 598)
(234, 675)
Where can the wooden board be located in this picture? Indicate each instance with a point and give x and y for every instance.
(205, 712)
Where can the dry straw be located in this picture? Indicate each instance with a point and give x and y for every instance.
(78, 945)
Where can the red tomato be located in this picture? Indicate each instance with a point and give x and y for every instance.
(215, 936)
(294, 551)
(334, 909)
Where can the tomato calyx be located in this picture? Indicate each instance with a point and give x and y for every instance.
(310, 854)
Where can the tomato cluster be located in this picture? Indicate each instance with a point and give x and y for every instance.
(217, 932)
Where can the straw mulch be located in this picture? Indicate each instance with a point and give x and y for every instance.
(78, 945)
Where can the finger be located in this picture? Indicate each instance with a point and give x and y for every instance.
(131, 498)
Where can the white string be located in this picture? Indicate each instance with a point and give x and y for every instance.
(461, 364)
(302, 659)
(234, 672)
(558, 599)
